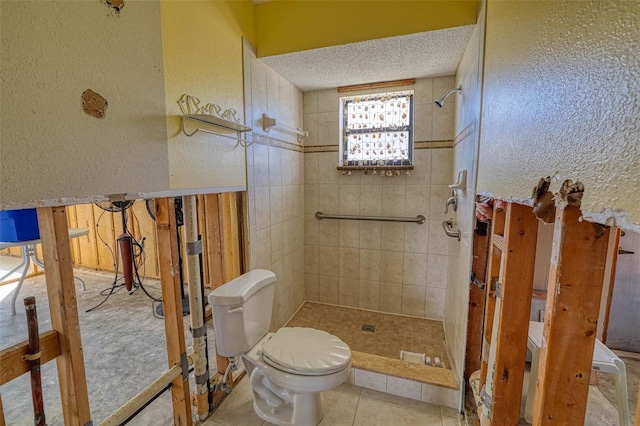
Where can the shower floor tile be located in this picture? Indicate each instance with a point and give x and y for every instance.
(379, 350)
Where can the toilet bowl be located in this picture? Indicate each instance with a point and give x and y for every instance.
(287, 369)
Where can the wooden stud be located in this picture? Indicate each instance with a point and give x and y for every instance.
(638, 410)
(213, 238)
(613, 254)
(172, 304)
(243, 230)
(11, 358)
(2, 421)
(575, 288)
(476, 301)
(61, 291)
(520, 236)
(493, 272)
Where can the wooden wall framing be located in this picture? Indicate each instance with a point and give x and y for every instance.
(576, 279)
(222, 223)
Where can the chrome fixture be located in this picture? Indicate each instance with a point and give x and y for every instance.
(440, 101)
(448, 229)
(419, 219)
(451, 201)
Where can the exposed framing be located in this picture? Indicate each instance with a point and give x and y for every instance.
(61, 291)
(172, 303)
(576, 279)
(520, 237)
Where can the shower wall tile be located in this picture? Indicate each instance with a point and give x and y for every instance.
(393, 199)
(418, 199)
(287, 203)
(437, 272)
(413, 300)
(370, 235)
(391, 297)
(369, 295)
(276, 191)
(369, 264)
(327, 162)
(416, 238)
(311, 169)
(310, 124)
(349, 262)
(414, 271)
(311, 259)
(311, 195)
(439, 196)
(441, 166)
(381, 265)
(349, 233)
(328, 261)
(310, 230)
(371, 200)
(349, 203)
(275, 166)
(438, 240)
(434, 303)
(393, 236)
(310, 102)
(275, 203)
(391, 266)
(328, 196)
(277, 244)
(348, 292)
(328, 289)
(329, 233)
(312, 291)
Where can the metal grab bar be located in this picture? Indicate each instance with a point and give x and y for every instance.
(420, 219)
(447, 225)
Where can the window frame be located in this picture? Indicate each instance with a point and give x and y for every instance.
(344, 162)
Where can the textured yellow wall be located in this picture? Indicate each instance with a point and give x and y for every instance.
(202, 42)
(291, 26)
(562, 98)
(51, 52)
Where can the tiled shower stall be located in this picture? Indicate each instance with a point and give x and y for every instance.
(398, 268)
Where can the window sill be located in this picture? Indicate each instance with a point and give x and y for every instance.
(389, 167)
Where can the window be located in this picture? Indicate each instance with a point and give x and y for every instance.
(377, 130)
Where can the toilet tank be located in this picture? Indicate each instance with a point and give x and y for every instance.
(242, 311)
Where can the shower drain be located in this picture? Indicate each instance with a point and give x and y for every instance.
(368, 327)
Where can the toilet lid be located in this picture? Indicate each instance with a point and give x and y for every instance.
(306, 351)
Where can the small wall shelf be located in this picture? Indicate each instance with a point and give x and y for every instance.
(212, 120)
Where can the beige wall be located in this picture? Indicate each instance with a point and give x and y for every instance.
(275, 185)
(51, 52)
(390, 267)
(467, 130)
(562, 99)
(203, 57)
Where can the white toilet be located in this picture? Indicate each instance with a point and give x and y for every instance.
(288, 369)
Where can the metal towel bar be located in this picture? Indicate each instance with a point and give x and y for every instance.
(420, 219)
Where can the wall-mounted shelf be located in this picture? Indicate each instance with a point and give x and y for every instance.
(212, 120)
(211, 115)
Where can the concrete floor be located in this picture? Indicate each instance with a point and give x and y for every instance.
(124, 349)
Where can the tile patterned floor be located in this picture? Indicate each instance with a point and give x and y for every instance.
(346, 405)
(392, 334)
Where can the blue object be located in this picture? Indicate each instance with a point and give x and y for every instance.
(19, 225)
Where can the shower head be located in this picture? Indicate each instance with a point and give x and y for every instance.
(440, 101)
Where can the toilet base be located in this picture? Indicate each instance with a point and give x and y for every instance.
(308, 411)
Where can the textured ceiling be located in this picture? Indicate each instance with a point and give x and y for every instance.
(427, 54)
